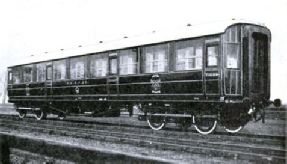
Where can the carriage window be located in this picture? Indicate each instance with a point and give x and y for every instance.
(128, 62)
(49, 73)
(16, 75)
(78, 67)
(212, 55)
(113, 65)
(155, 59)
(99, 65)
(232, 55)
(188, 55)
(59, 70)
(27, 73)
(10, 76)
(41, 72)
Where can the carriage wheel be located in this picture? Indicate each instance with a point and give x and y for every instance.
(235, 125)
(22, 114)
(233, 129)
(61, 116)
(39, 114)
(156, 122)
(204, 125)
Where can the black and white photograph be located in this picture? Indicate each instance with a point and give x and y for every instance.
(146, 81)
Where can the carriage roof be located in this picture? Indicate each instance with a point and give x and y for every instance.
(192, 31)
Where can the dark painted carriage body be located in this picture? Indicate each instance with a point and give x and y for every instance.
(232, 72)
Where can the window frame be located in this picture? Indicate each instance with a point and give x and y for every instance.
(143, 58)
(44, 72)
(85, 69)
(20, 69)
(48, 67)
(31, 74)
(55, 68)
(238, 56)
(93, 58)
(135, 65)
(10, 77)
(217, 56)
(195, 44)
(113, 56)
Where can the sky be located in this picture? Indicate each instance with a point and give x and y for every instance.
(32, 27)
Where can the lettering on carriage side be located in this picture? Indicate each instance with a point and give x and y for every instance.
(77, 90)
(211, 74)
(155, 84)
(212, 40)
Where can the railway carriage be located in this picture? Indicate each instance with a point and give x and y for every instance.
(206, 74)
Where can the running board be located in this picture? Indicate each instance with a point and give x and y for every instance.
(182, 115)
(170, 115)
(58, 110)
(24, 108)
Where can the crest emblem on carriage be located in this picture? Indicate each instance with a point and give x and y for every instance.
(155, 84)
(77, 90)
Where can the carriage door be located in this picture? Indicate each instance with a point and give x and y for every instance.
(49, 83)
(260, 64)
(212, 65)
(113, 80)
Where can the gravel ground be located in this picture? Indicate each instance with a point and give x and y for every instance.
(271, 127)
(142, 152)
(20, 156)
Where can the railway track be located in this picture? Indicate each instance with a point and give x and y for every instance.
(246, 147)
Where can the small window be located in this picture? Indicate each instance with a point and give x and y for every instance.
(232, 56)
(212, 56)
(27, 73)
(113, 69)
(41, 72)
(10, 77)
(78, 67)
(49, 73)
(99, 65)
(16, 75)
(188, 55)
(232, 34)
(60, 69)
(128, 62)
(155, 59)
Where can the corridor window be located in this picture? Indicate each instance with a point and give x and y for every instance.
(16, 75)
(78, 67)
(128, 62)
(99, 65)
(155, 59)
(41, 72)
(27, 73)
(59, 69)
